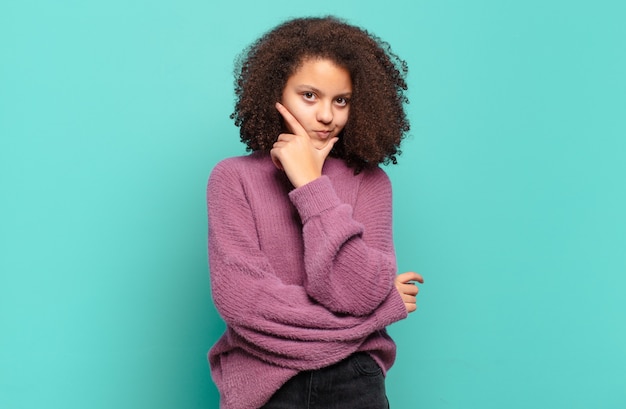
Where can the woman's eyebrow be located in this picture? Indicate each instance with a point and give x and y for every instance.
(305, 87)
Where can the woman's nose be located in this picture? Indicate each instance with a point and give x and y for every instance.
(325, 113)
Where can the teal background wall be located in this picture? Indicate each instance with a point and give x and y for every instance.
(509, 198)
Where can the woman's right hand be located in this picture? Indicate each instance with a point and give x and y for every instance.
(295, 154)
(408, 289)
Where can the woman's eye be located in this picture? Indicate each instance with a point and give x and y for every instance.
(341, 101)
(308, 96)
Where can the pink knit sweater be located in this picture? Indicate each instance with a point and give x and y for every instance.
(302, 277)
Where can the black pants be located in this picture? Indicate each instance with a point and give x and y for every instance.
(356, 382)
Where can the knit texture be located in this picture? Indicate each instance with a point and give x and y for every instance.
(302, 277)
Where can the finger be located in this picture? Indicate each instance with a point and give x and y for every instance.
(284, 137)
(325, 150)
(291, 121)
(275, 159)
(410, 289)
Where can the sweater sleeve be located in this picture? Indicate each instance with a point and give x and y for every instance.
(349, 256)
(269, 319)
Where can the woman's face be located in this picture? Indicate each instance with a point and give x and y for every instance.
(318, 96)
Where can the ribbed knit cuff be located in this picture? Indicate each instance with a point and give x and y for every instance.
(314, 198)
(392, 309)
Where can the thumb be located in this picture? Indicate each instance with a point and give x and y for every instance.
(325, 151)
(410, 276)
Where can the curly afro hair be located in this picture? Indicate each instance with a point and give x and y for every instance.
(377, 122)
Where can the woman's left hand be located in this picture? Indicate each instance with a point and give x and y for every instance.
(407, 289)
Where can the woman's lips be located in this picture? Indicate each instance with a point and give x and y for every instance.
(323, 134)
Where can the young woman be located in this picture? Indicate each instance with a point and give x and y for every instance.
(302, 262)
